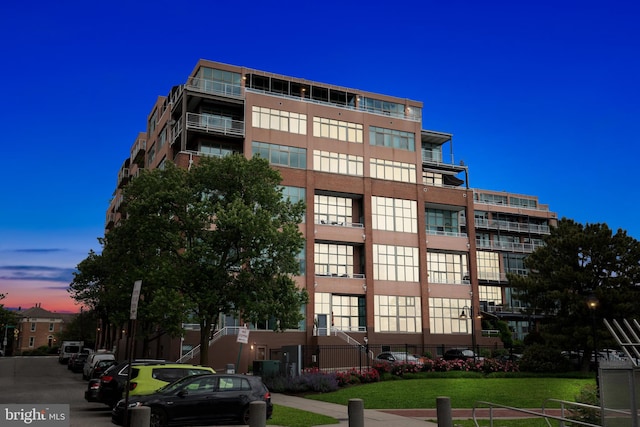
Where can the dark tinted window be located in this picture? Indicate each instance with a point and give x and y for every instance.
(172, 374)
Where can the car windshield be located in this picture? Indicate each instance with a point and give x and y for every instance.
(176, 385)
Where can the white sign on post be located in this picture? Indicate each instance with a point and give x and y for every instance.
(243, 335)
(135, 296)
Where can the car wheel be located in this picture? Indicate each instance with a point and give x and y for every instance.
(158, 418)
(244, 418)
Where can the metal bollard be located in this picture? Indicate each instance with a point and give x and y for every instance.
(258, 414)
(140, 416)
(443, 410)
(356, 413)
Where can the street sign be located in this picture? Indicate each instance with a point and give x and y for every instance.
(243, 335)
(135, 296)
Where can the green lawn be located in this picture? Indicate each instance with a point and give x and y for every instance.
(464, 392)
(422, 393)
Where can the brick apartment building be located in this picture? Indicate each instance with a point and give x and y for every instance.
(397, 243)
(37, 327)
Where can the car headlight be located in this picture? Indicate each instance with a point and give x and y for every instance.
(134, 404)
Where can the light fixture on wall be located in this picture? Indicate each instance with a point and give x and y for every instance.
(364, 287)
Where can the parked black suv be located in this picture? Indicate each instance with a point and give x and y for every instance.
(109, 388)
(201, 400)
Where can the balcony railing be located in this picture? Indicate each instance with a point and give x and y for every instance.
(215, 87)
(443, 232)
(340, 275)
(338, 223)
(512, 226)
(508, 246)
(215, 124)
(139, 147)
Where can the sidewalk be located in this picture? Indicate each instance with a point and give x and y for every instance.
(372, 418)
(393, 417)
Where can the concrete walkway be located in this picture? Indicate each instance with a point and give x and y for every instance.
(393, 417)
(372, 417)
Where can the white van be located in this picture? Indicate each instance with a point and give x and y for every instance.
(67, 348)
(92, 360)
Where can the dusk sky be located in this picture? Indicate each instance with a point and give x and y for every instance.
(542, 98)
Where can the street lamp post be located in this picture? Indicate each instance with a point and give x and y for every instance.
(592, 303)
(463, 315)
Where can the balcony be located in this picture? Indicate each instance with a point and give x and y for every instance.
(138, 151)
(218, 125)
(512, 226)
(508, 246)
(214, 87)
(123, 177)
(111, 219)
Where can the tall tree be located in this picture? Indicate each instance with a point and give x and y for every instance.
(577, 264)
(216, 239)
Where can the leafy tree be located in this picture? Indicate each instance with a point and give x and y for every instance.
(579, 262)
(218, 238)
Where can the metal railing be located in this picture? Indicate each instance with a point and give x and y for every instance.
(493, 406)
(215, 124)
(495, 224)
(215, 87)
(508, 246)
(227, 330)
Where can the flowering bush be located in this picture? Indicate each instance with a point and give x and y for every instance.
(357, 376)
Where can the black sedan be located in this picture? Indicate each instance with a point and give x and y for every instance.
(201, 400)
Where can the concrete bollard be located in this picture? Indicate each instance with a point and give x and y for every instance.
(257, 414)
(443, 410)
(140, 416)
(356, 412)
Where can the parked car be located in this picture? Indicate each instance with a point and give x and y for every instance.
(92, 360)
(397, 356)
(100, 367)
(109, 388)
(460, 354)
(146, 379)
(201, 400)
(77, 361)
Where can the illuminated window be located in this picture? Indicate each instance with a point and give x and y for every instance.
(337, 129)
(447, 267)
(394, 214)
(398, 263)
(392, 171)
(444, 316)
(397, 314)
(345, 164)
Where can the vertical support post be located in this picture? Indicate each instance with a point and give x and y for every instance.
(443, 411)
(257, 414)
(356, 413)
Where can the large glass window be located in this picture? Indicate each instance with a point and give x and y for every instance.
(397, 314)
(444, 316)
(332, 210)
(221, 82)
(398, 263)
(333, 260)
(337, 129)
(431, 178)
(285, 121)
(488, 265)
(392, 138)
(441, 221)
(394, 214)
(392, 171)
(514, 263)
(494, 199)
(491, 296)
(446, 267)
(345, 164)
(216, 149)
(349, 312)
(282, 155)
(431, 153)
